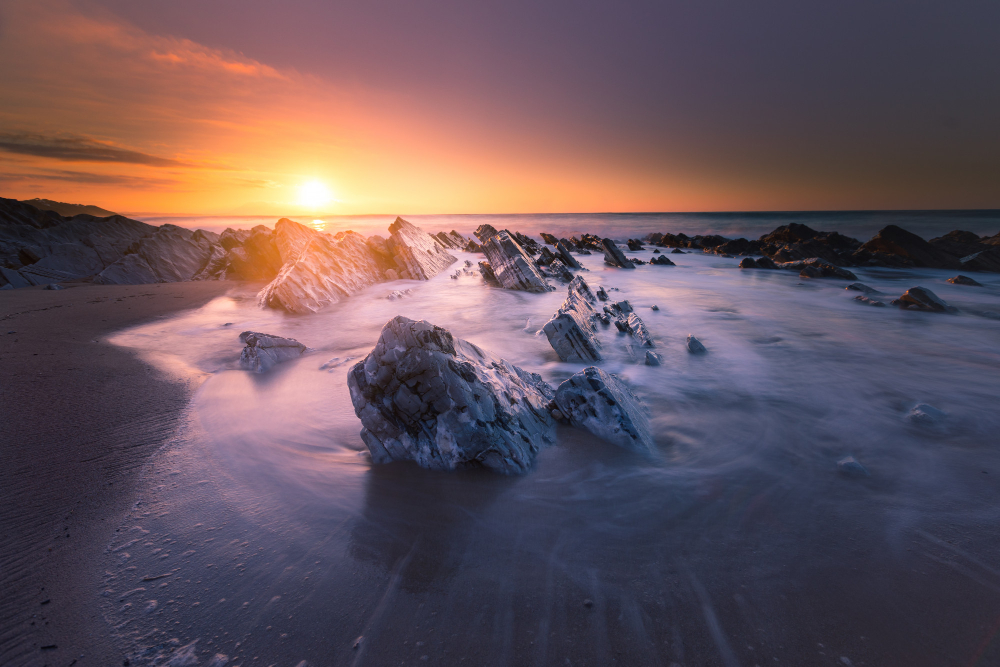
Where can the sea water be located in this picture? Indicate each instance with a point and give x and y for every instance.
(265, 535)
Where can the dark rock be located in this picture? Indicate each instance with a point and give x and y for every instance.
(545, 257)
(53, 286)
(571, 331)
(562, 247)
(472, 246)
(922, 298)
(817, 268)
(485, 232)
(557, 271)
(653, 359)
(791, 233)
(851, 467)
(605, 406)
(426, 396)
(983, 260)
(861, 287)
(172, 254)
(677, 251)
(926, 415)
(662, 260)
(748, 263)
(893, 240)
(639, 331)
(766, 263)
(964, 280)
(548, 238)
(656, 251)
(869, 301)
(601, 294)
(488, 276)
(263, 351)
(613, 256)
(634, 245)
(513, 268)
(694, 345)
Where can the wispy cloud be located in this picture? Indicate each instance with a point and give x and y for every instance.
(66, 176)
(78, 149)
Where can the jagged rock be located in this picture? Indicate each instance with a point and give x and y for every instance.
(562, 247)
(984, 260)
(447, 241)
(232, 238)
(601, 294)
(620, 308)
(869, 301)
(427, 396)
(817, 268)
(861, 287)
(661, 261)
(638, 330)
(489, 277)
(634, 245)
(893, 240)
(748, 263)
(290, 238)
(851, 467)
(605, 406)
(484, 233)
(325, 271)
(259, 258)
(571, 331)
(653, 359)
(472, 246)
(556, 270)
(922, 298)
(13, 278)
(418, 256)
(694, 345)
(172, 254)
(654, 307)
(926, 415)
(613, 256)
(677, 251)
(964, 280)
(512, 267)
(390, 275)
(548, 238)
(263, 351)
(545, 257)
(216, 265)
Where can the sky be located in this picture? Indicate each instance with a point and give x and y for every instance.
(216, 107)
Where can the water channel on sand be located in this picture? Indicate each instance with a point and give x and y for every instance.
(266, 536)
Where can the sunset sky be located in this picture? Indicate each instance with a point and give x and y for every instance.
(394, 106)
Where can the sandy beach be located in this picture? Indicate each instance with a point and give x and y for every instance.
(80, 417)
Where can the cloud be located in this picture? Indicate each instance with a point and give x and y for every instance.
(66, 176)
(78, 149)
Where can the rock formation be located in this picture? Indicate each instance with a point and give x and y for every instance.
(922, 298)
(513, 268)
(484, 233)
(263, 351)
(417, 254)
(964, 280)
(613, 256)
(861, 298)
(563, 249)
(694, 345)
(662, 260)
(571, 331)
(548, 238)
(605, 406)
(426, 396)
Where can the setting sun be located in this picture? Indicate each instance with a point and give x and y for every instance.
(314, 195)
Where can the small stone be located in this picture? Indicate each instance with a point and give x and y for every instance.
(926, 415)
(654, 307)
(588, 603)
(653, 359)
(558, 416)
(964, 280)
(694, 345)
(263, 351)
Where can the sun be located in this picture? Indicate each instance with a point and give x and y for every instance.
(314, 195)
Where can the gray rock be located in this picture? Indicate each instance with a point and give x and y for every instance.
(605, 406)
(601, 294)
(171, 254)
(815, 267)
(964, 280)
(639, 331)
(417, 254)
(215, 267)
(869, 301)
(557, 271)
(129, 270)
(922, 298)
(653, 359)
(512, 266)
(861, 287)
(484, 233)
(564, 254)
(489, 277)
(571, 331)
(263, 351)
(851, 467)
(926, 415)
(426, 396)
(613, 256)
(694, 345)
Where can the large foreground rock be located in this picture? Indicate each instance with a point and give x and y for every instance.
(571, 331)
(263, 351)
(424, 395)
(512, 266)
(605, 406)
(418, 255)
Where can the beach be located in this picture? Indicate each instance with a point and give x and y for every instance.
(80, 418)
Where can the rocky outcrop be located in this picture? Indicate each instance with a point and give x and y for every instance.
(452, 240)
(426, 396)
(694, 346)
(638, 329)
(571, 331)
(549, 238)
(484, 233)
(512, 266)
(172, 254)
(817, 268)
(563, 249)
(964, 280)
(417, 254)
(634, 245)
(604, 405)
(893, 240)
(263, 351)
(921, 298)
(613, 256)
(983, 260)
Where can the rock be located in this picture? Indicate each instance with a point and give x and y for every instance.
(766, 263)
(748, 263)
(984, 260)
(893, 240)
(677, 251)
(817, 268)
(653, 359)
(694, 345)
(426, 396)
(489, 277)
(563, 249)
(869, 301)
(639, 331)
(7, 286)
(472, 246)
(545, 258)
(53, 286)
(964, 280)
(325, 271)
(602, 404)
(215, 267)
(290, 238)
(922, 298)
(851, 467)
(232, 238)
(634, 245)
(259, 258)
(417, 255)
(13, 278)
(390, 275)
(512, 267)
(926, 415)
(484, 233)
(601, 294)
(654, 307)
(571, 331)
(861, 287)
(556, 270)
(662, 261)
(548, 238)
(613, 256)
(263, 351)
(171, 254)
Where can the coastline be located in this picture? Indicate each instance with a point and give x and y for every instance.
(80, 418)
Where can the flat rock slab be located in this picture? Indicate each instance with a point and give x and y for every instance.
(426, 396)
(263, 351)
(604, 405)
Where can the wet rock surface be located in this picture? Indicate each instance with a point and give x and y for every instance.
(571, 331)
(418, 256)
(613, 256)
(694, 346)
(263, 351)
(964, 280)
(512, 266)
(426, 396)
(604, 405)
(921, 298)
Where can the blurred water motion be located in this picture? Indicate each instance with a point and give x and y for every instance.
(738, 543)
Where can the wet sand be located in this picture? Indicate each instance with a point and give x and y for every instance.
(79, 418)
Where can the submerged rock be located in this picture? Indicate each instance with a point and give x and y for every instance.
(926, 415)
(512, 266)
(417, 254)
(426, 396)
(653, 359)
(613, 256)
(263, 351)
(869, 301)
(922, 298)
(851, 467)
(766, 263)
(815, 267)
(694, 345)
(549, 238)
(605, 406)
(861, 287)
(601, 294)
(964, 280)
(662, 260)
(896, 241)
(489, 277)
(571, 331)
